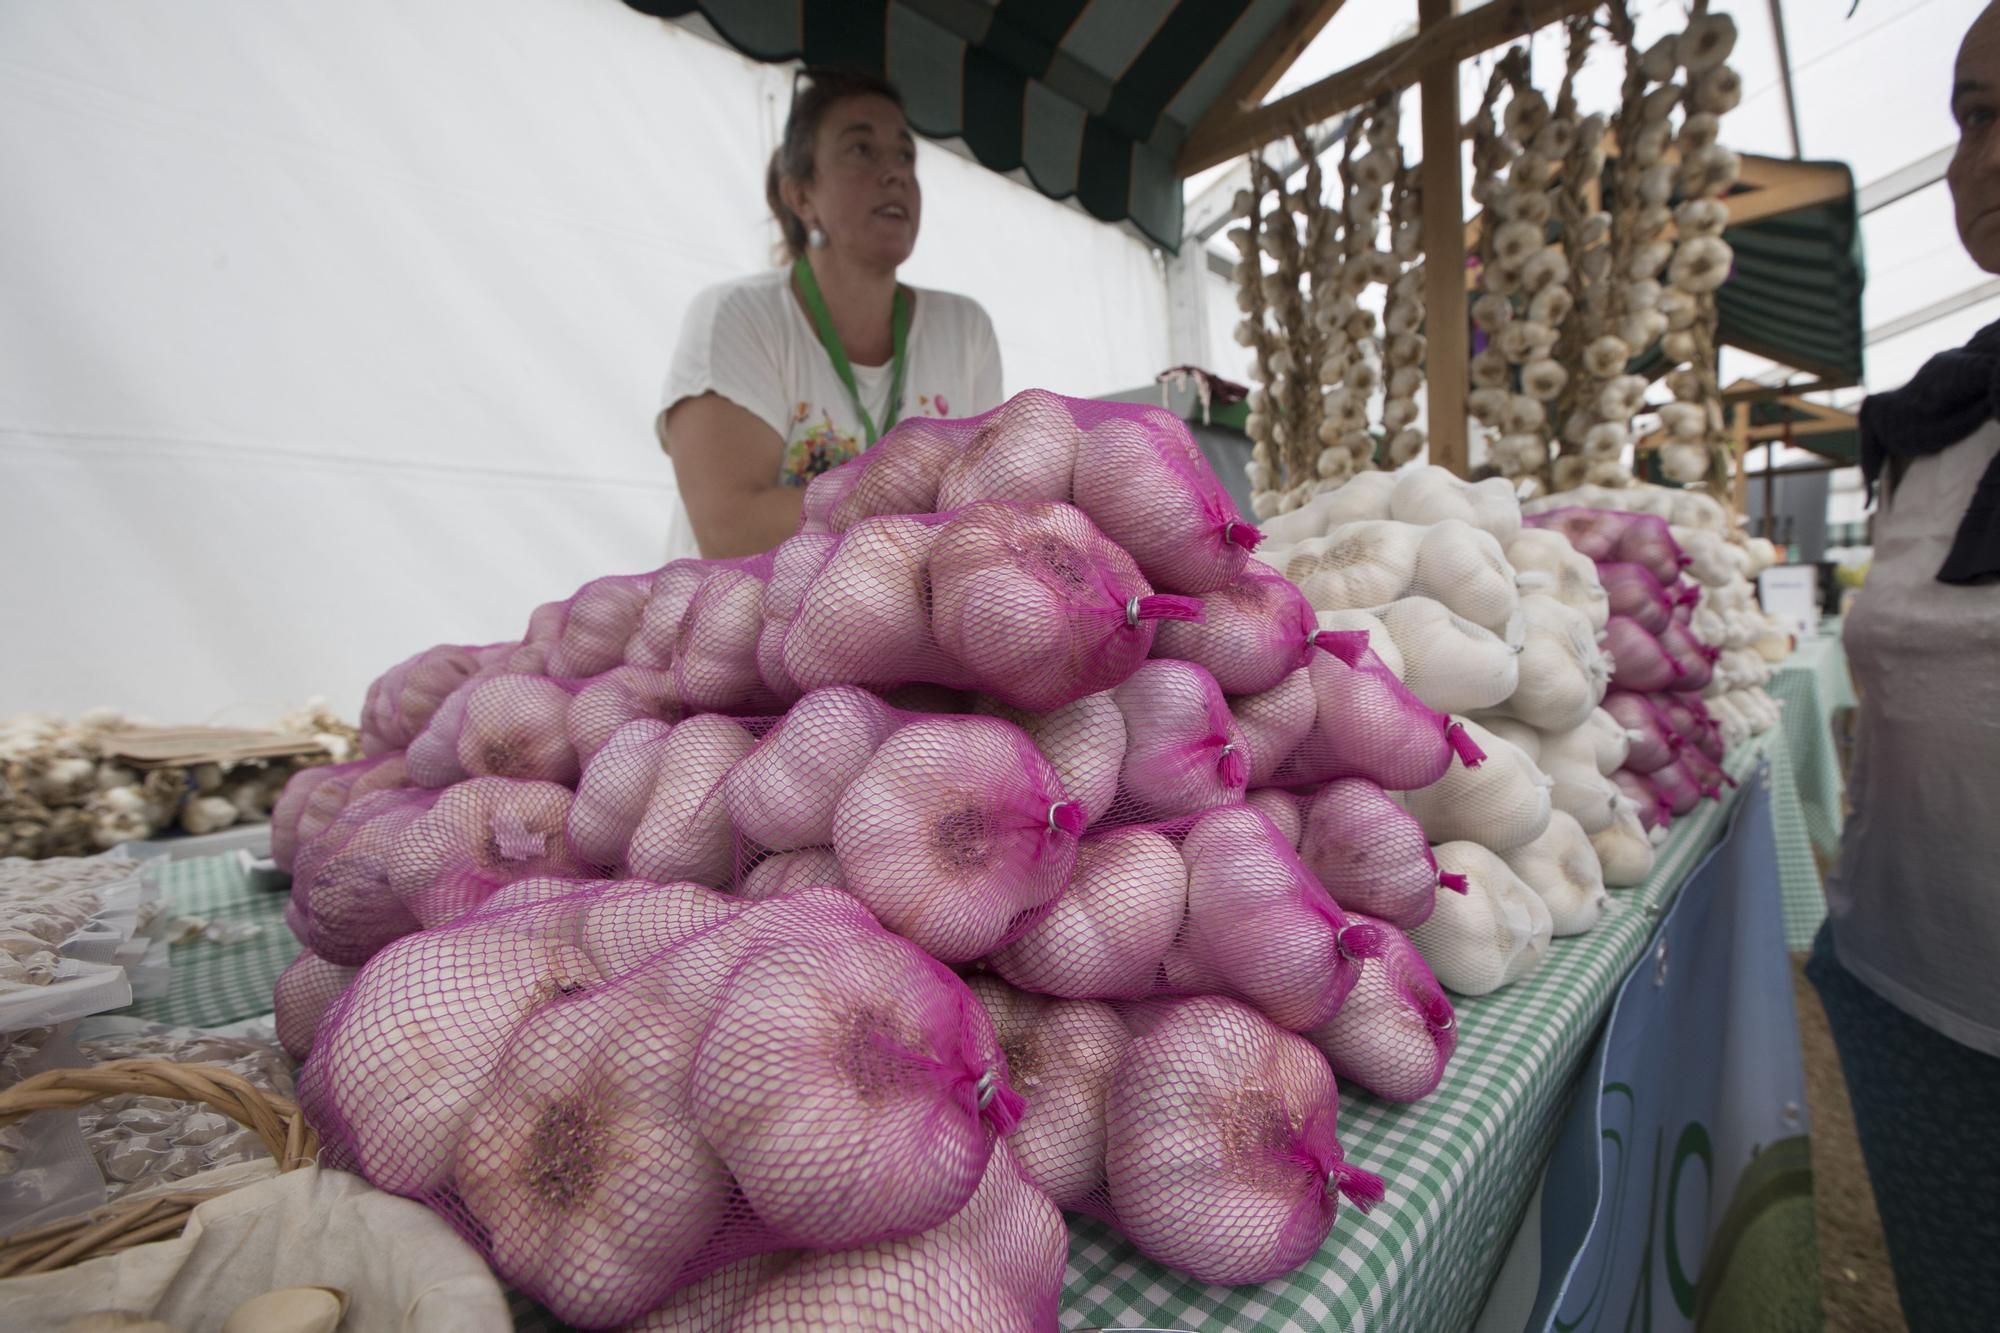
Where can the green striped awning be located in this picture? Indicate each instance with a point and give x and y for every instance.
(1089, 99)
(1795, 297)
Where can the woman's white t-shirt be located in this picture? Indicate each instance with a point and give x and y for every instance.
(750, 342)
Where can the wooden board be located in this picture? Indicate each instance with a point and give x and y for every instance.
(179, 747)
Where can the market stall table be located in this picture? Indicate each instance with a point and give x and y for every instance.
(1811, 686)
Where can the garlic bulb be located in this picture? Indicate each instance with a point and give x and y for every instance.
(1108, 931)
(617, 785)
(716, 668)
(1624, 850)
(956, 828)
(599, 620)
(1061, 1057)
(515, 726)
(1563, 869)
(1495, 932)
(863, 619)
(419, 1038)
(780, 874)
(1258, 926)
(684, 833)
(1254, 632)
(1502, 803)
(1369, 852)
(305, 990)
(575, 1139)
(1282, 809)
(477, 836)
(1359, 564)
(1450, 663)
(1083, 741)
(829, 1083)
(1276, 721)
(1189, 1185)
(1562, 674)
(1396, 1029)
(902, 474)
(1025, 452)
(1183, 752)
(619, 696)
(1175, 522)
(1464, 568)
(782, 795)
(655, 638)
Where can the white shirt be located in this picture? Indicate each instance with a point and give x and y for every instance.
(750, 342)
(1915, 899)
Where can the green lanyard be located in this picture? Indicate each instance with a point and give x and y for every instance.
(899, 324)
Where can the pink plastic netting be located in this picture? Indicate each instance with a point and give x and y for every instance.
(1221, 1153)
(1694, 659)
(773, 1075)
(1610, 535)
(306, 989)
(1689, 719)
(1216, 904)
(1134, 469)
(314, 798)
(954, 830)
(1654, 742)
(1654, 811)
(400, 860)
(401, 701)
(1258, 629)
(1633, 591)
(1364, 723)
(1397, 1030)
(1371, 853)
(996, 1264)
(1640, 661)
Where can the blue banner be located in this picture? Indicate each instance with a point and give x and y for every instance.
(1679, 1195)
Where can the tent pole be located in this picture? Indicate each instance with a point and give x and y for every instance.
(1448, 354)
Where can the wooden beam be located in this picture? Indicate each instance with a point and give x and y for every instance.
(1448, 351)
(1278, 52)
(1399, 66)
(1773, 186)
(1750, 391)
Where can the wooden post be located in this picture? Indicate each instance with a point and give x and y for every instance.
(1739, 429)
(1448, 350)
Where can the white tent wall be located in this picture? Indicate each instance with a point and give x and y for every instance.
(330, 332)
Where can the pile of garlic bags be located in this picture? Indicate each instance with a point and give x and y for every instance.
(1726, 564)
(1499, 626)
(1015, 705)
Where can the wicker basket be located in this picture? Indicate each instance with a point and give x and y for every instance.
(119, 1226)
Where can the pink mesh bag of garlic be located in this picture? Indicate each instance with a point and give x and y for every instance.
(1397, 1030)
(1693, 659)
(1689, 719)
(314, 798)
(402, 699)
(1654, 743)
(996, 1265)
(509, 724)
(342, 907)
(1134, 469)
(1640, 662)
(767, 1076)
(1222, 1157)
(954, 830)
(1634, 592)
(1653, 810)
(1370, 853)
(1030, 604)
(1609, 535)
(1677, 785)
(1256, 630)
(305, 990)
(1346, 714)
(1217, 903)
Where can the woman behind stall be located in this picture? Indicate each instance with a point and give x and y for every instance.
(1908, 964)
(780, 376)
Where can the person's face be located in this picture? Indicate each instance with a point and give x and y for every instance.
(864, 191)
(1974, 173)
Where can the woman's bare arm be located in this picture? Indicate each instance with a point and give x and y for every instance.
(726, 463)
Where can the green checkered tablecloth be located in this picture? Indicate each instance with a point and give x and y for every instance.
(1811, 685)
(1460, 1165)
(212, 984)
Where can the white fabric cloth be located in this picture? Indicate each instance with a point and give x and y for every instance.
(750, 342)
(402, 1266)
(1914, 901)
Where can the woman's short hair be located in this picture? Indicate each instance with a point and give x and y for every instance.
(815, 91)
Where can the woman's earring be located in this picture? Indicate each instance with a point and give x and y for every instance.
(816, 239)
